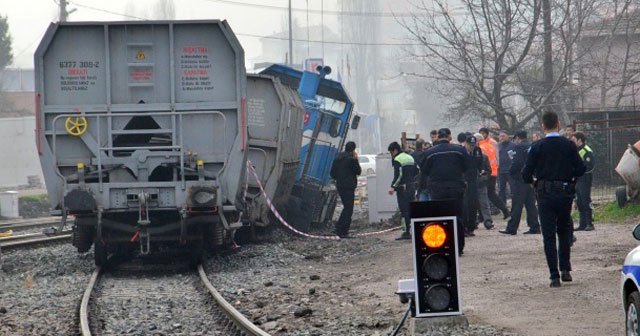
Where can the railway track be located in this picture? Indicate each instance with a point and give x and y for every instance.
(24, 224)
(28, 239)
(168, 301)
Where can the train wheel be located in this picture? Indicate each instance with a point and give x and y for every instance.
(100, 253)
(83, 231)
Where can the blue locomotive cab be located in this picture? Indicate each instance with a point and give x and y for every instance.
(328, 110)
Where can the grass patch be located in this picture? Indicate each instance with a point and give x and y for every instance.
(610, 212)
(42, 198)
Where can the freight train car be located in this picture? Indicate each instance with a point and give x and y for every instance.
(275, 114)
(141, 132)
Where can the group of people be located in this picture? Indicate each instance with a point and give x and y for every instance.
(543, 176)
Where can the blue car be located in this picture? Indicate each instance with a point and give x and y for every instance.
(629, 287)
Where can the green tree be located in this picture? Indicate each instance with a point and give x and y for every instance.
(6, 54)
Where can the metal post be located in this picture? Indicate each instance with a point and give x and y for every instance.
(63, 10)
(290, 37)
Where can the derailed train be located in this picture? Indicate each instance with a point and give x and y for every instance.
(144, 130)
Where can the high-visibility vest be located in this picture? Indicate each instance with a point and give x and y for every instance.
(583, 152)
(490, 149)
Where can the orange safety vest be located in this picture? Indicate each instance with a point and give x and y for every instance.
(490, 148)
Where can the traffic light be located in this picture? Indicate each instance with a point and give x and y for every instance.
(435, 255)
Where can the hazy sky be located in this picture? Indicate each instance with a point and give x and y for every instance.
(28, 19)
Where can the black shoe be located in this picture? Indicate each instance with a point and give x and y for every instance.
(404, 236)
(579, 228)
(506, 215)
(488, 225)
(566, 276)
(507, 232)
(555, 282)
(589, 228)
(469, 234)
(532, 232)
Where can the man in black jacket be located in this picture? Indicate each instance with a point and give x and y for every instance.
(403, 184)
(443, 167)
(555, 162)
(504, 166)
(345, 170)
(522, 192)
(583, 184)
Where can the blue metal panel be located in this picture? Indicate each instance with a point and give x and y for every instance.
(319, 147)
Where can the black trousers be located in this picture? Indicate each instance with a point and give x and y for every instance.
(405, 195)
(470, 211)
(347, 196)
(583, 198)
(437, 193)
(523, 196)
(493, 197)
(555, 219)
(503, 180)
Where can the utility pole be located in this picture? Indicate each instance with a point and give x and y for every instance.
(290, 37)
(63, 10)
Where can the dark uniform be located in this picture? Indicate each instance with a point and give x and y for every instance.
(555, 162)
(471, 194)
(504, 171)
(443, 167)
(522, 193)
(583, 189)
(404, 176)
(344, 170)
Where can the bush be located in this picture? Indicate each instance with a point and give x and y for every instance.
(34, 206)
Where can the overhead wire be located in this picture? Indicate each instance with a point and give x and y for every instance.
(259, 36)
(330, 12)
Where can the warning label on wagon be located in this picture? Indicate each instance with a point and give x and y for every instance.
(78, 75)
(195, 69)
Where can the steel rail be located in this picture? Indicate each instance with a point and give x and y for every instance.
(32, 239)
(85, 330)
(28, 223)
(240, 321)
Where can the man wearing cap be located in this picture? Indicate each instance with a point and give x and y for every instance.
(443, 167)
(490, 148)
(555, 162)
(403, 184)
(522, 192)
(471, 177)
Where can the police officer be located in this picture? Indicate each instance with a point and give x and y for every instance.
(583, 185)
(403, 184)
(443, 167)
(555, 162)
(522, 192)
(471, 177)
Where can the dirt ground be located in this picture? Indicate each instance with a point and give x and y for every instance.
(505, 281)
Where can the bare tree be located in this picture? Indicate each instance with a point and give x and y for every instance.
(474, 56)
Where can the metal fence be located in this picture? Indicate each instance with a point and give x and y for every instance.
(608, 133)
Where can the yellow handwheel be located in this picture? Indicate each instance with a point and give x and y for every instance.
(76, 125)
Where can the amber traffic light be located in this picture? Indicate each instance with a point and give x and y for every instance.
(436, 266)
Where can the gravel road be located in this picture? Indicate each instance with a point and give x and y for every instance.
(296, 286)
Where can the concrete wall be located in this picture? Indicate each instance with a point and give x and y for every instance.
(18, 153)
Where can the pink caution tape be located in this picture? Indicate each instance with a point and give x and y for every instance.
(277, 214)
(284, 222)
